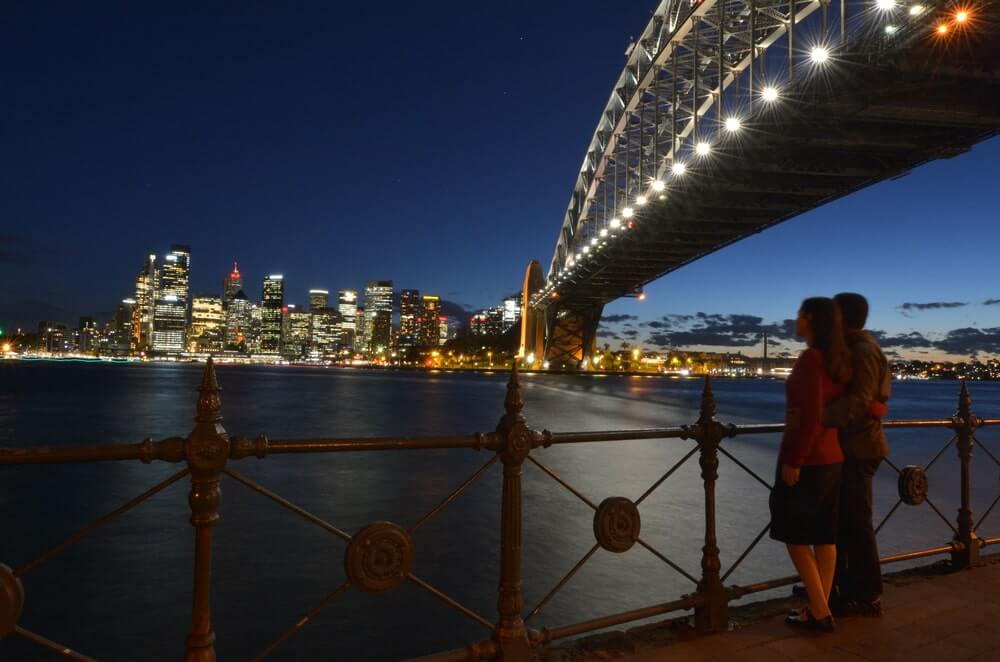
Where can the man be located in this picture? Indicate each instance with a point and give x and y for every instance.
(857, 583)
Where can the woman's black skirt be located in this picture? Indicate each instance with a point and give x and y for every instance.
(807, 514)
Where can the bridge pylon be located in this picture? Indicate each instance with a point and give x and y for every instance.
(556, 335)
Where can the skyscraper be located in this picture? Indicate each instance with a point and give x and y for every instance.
(327, 334)
(123, 340)
(378, 310)
(409, 312)
(87, 336)
(208, 324)
(430, 330)
(347, 305)
(512, 310)
(319, 299)
(270, 317)
(170, 310)
(146, 284)
(232, 284)
(238, 323)
(361, 332)
(296, 332)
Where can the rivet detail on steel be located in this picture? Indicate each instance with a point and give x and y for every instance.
(379, 557)
(11, 600)
(912, 485)
(616, 524)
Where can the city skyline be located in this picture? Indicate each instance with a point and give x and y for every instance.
(277, 181)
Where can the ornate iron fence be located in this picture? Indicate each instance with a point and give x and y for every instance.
(379, 558)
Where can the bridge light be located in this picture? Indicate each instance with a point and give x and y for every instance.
(942, 29)
(885, 5)
(891, 29)
(641, 200)
(642, 296)
(678, 168)
(615, 224)
(916, 10)
(658, 186)
(628, 212)
(770, 93)
(961, 16)
(819, 54)
(733, 124)
(703, 148)
(545, 365)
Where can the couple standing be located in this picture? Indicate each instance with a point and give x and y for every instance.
(821, 504)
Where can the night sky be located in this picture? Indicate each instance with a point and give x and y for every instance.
(434, 144)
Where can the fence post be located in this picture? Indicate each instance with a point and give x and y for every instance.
(206, 450)
(515, 445)
(712, 612)
(964, 422)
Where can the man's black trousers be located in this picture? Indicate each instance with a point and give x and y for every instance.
(859, 574)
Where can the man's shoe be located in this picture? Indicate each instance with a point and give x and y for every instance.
(872, 609)
(810, 622)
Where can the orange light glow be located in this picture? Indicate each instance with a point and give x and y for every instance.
(942, 29)
(642, 296)
(961, 16)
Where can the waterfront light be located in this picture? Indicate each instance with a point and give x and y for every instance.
(604, 232)
(770, 93)
(641, 200)
(733, 124)
(819, 54)
(703, 148)
(530, 358)
(586, 249)
(615, 224)
(916, 10)
(885, 5)
(593, 242)
(545, 365)
(658, 186)
(678, 168)
(891, 29)
(628, 212)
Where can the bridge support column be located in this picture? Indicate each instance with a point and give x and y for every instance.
(571, 335)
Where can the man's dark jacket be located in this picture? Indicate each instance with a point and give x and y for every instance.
(862, 436)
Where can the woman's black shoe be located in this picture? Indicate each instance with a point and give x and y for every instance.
(810, 622)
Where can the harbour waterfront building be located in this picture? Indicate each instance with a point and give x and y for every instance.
(326, 338)
(378, 310)
(296, 332)
(319, 299)
(88, 336)
(238, 323)
(256, 328)
(409, 313)
(208, 324)
(146, 284)
(123, 341)
(171, 307)
(443, 330)
(512, 311)
(347, 305)
(232, 283)
(361, 330)
(270, 317)
(53, 337)
(430, 311)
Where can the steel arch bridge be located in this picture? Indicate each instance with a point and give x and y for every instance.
(734, 115)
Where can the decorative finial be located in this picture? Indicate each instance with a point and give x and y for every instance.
(707, 402)
(513, 403)
(209, 404)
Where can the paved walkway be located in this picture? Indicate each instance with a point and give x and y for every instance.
(928, 617)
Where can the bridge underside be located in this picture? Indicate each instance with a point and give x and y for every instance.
(835, 134)
(571, 335)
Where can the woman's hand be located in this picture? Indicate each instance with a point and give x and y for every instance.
(878, 409)
(789, 475)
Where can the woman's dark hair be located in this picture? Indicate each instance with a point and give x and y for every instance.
(828, 336)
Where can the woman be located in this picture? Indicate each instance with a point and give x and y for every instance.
(807, 486)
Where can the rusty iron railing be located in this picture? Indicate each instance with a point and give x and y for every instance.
(379, 558)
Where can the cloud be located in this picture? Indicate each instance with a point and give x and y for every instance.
(991, 302)
(615, 319)
(933, 305)
(630, 333)
(970, 342)
(910, 340)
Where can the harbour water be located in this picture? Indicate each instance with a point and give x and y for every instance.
(124, 593)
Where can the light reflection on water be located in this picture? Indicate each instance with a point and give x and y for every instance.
(127, 589)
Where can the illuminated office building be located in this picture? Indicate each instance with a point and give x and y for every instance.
(123, 341)
(361, 330)
(231, 284)
(208, 325)
(443, 330)
(270, 314)
(146, 284)
(511, 311)
(327, 334)
(347, 305)
(409, 312)
(319, 299)
(88, 336)
(171, 307)
(378, 310)
(296, 332)
(256, 328)
(429, 332)
(238, 323)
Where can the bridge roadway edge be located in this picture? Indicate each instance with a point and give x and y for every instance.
(931, 614)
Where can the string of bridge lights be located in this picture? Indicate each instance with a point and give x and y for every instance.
(818, 55)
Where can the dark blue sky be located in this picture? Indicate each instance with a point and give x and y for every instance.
(431, 143)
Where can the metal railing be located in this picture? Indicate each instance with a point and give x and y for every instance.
(379, 558)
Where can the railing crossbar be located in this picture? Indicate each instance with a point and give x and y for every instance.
(940, 452)
(301, 623)
(558, 587)
(986, 450)
(51, 645)
(746, 468)
(944, 519)
(454, 494)
(663, 558)
(677, 465)
(885, 519)
(97, 524)
(538, 463)
(746, 552)
(284, 503)
(987, 513)
(451, 602)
